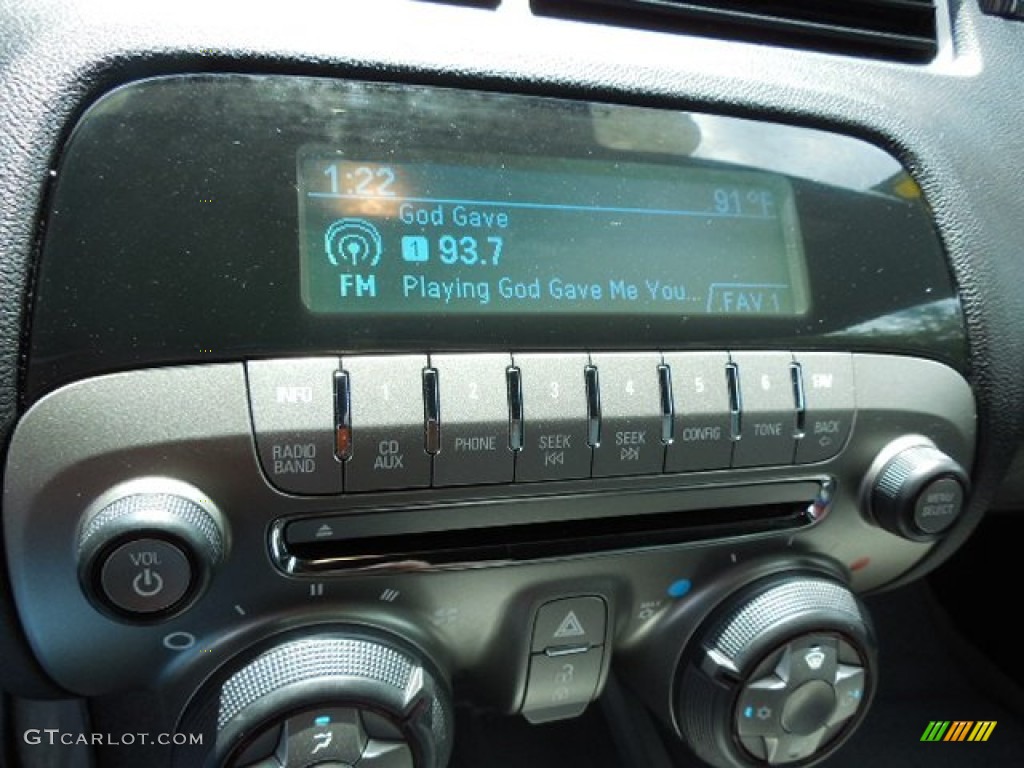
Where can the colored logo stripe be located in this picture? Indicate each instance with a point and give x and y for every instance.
(958, 730)
(982, 730)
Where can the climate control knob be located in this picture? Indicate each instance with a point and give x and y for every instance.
(915, 490)
(344, 697)
(781, 674)
(146, 549)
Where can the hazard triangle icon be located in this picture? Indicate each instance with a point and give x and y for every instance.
(570, 627)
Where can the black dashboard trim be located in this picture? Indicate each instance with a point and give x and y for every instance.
(45, 83)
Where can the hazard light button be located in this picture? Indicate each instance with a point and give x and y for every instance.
(575, 622)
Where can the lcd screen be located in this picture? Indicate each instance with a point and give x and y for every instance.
(489, 235)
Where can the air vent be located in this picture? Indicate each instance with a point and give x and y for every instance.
(903, 30)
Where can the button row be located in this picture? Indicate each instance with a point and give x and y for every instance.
(367, 423)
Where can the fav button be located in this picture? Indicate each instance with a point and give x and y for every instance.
(829, 404)
(145, 576)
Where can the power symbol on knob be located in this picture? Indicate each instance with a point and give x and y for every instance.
(145, 576)
(147, 548)
(149, 583)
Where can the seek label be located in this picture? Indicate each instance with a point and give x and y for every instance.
(554, 417)
(631, 414)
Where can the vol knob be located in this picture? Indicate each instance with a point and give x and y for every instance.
(146, 549)
(916, 490)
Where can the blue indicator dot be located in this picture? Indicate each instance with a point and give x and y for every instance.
(855, 694)
(679, 588)
(322, 721)
(748, 712)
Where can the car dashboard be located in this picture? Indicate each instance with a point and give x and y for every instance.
(429, 384)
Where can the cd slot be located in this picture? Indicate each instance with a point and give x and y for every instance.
(546, 540)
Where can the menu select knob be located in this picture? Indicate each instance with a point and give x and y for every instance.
(916, 490)
(146, 549)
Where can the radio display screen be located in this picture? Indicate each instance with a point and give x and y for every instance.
(485, 235)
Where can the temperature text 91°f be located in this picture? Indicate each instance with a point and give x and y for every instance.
(734, 201)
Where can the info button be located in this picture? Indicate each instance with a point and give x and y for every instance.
(293, 419)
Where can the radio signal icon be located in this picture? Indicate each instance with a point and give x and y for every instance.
(355, 242)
